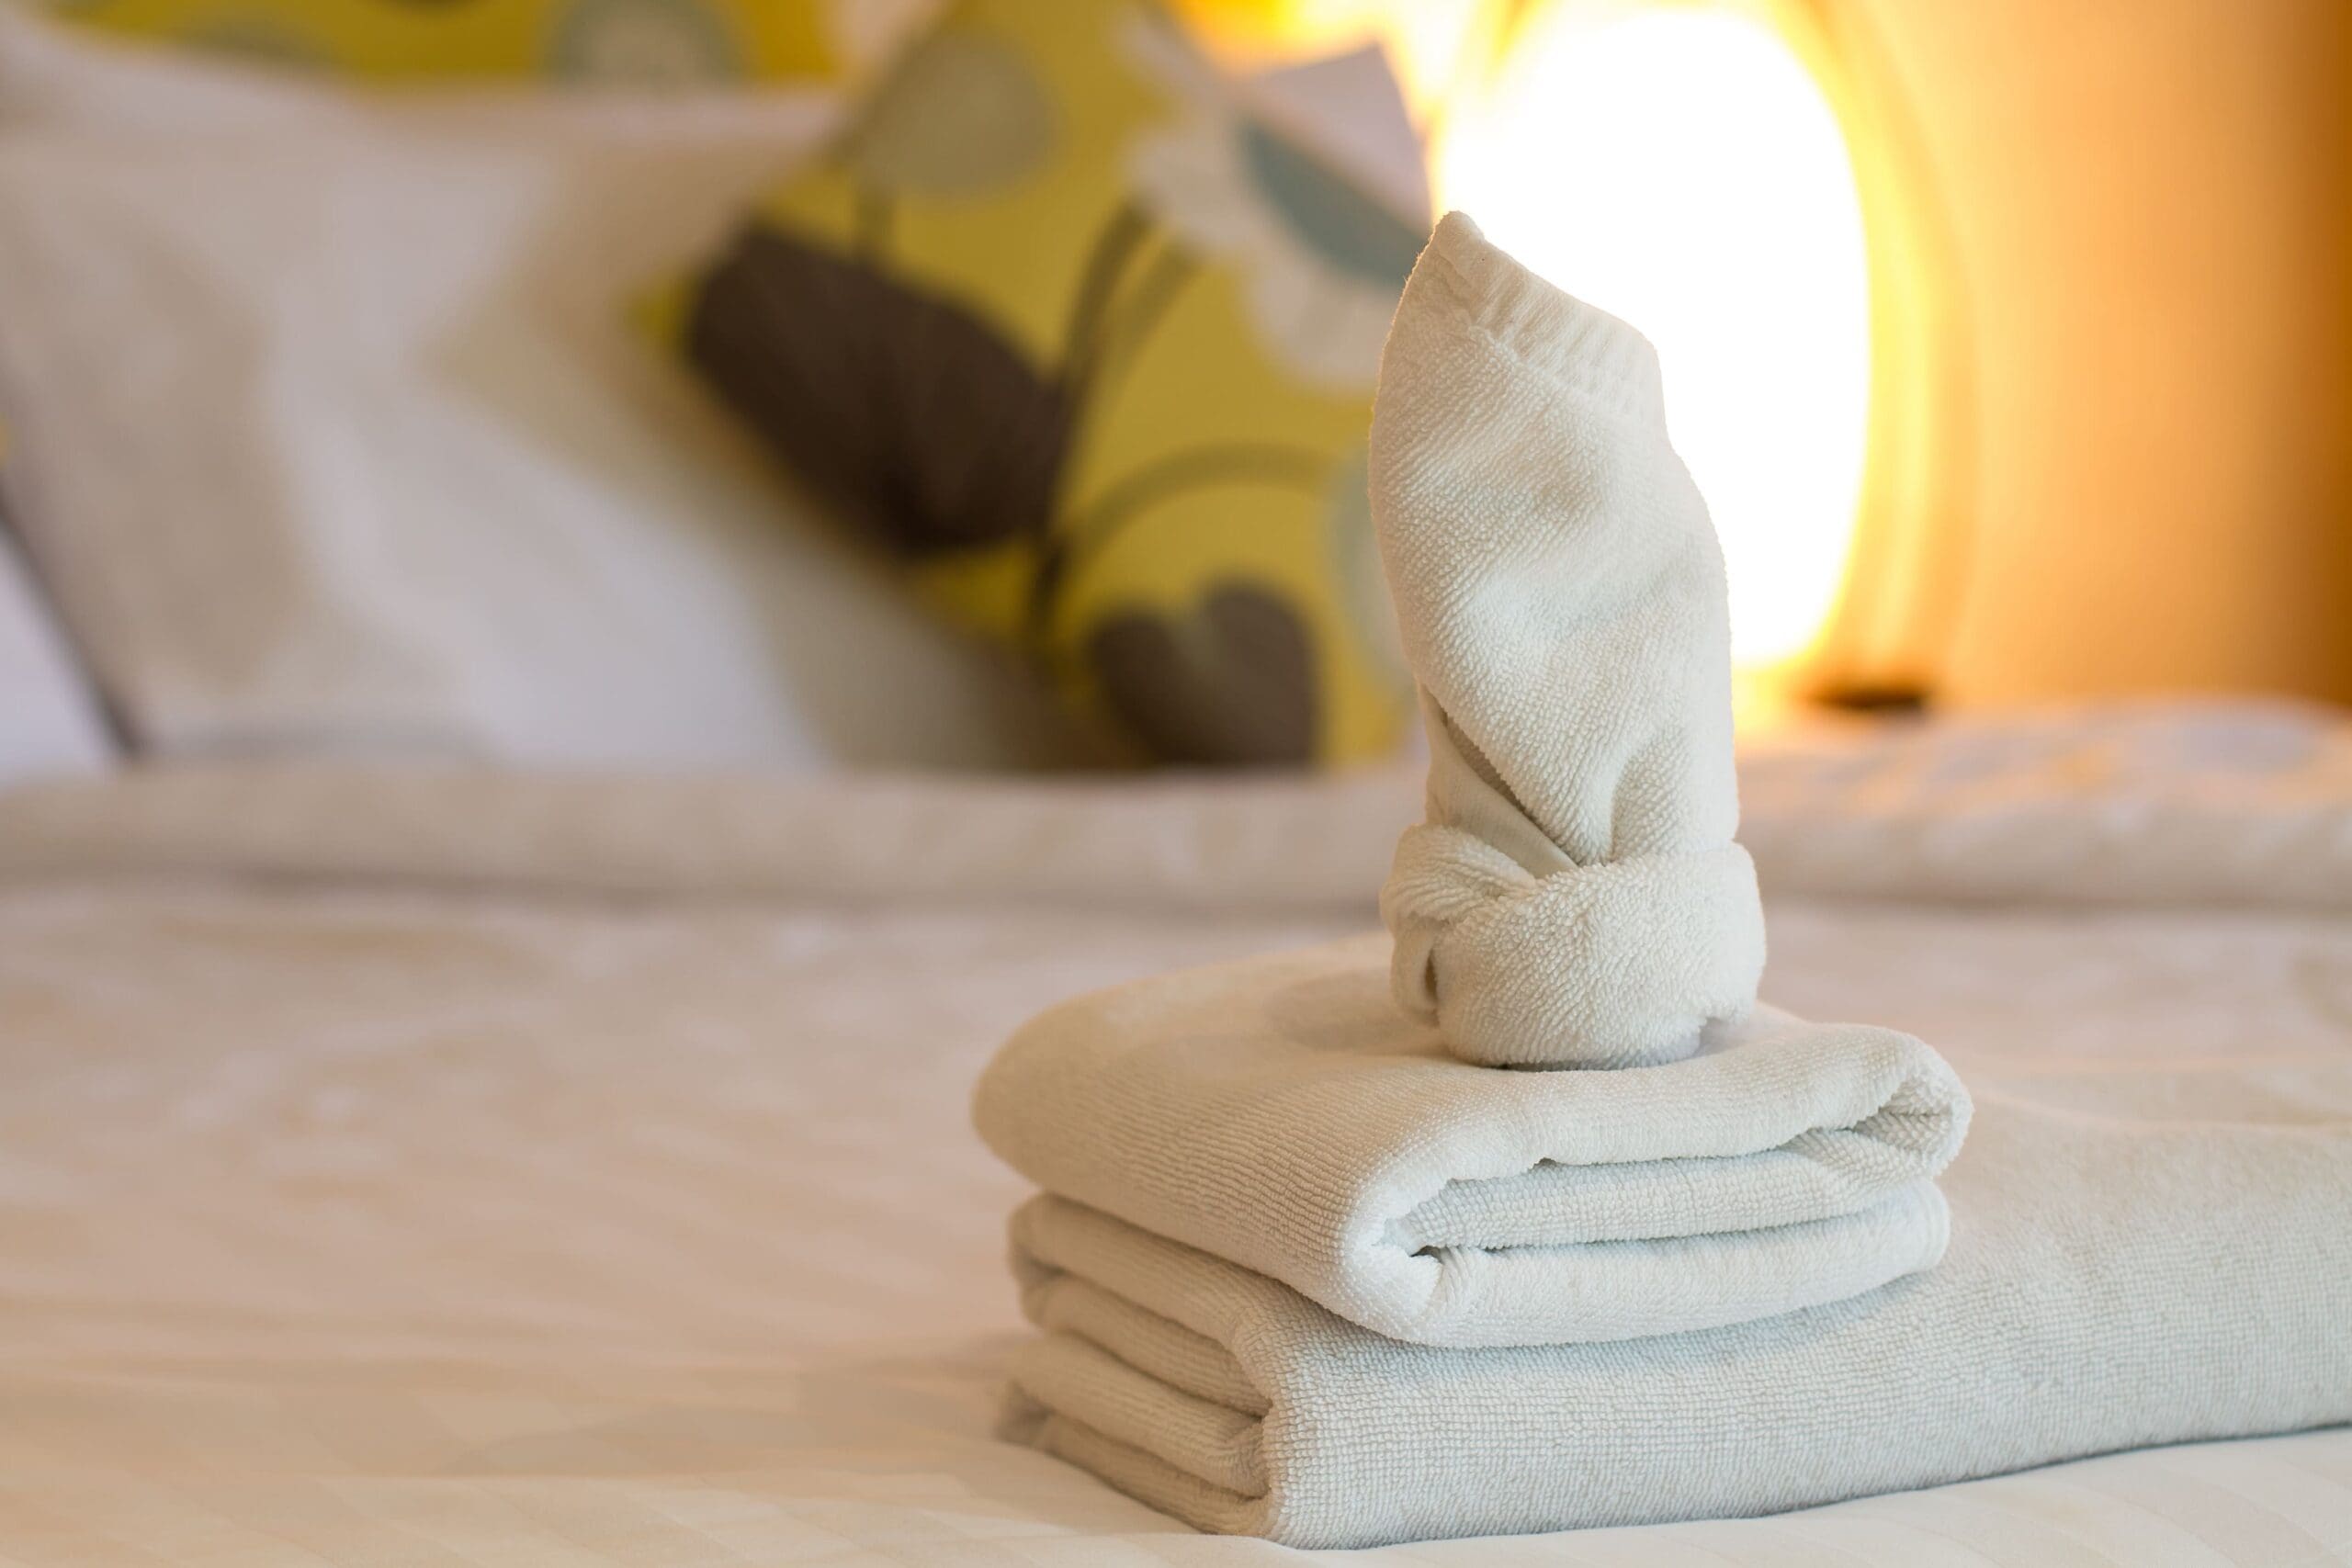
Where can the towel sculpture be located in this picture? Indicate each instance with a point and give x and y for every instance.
(1313, 1265)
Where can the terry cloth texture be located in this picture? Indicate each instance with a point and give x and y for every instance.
(1575, 896)
(2132, 1262)
(1281, 1113)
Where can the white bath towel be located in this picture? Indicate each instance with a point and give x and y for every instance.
(2137, 1258)
(1281, 1113)
(1575, 896)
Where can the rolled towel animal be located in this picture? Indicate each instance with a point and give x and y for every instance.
(1574, 897)
(1281, 1113)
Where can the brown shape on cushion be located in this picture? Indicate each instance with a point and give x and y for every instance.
(1230, 684)
(909, 414)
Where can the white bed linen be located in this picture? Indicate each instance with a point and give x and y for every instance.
(49, 718)
(2187, 804)
(626, 1211)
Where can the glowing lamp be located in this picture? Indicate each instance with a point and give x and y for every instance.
(1678, 167)
(1738, 180)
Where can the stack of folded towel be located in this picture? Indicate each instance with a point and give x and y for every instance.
(1312, 1261)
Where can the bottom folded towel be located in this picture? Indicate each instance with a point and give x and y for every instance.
(2136, 1259)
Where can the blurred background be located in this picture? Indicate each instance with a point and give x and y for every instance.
(2008, 340)
(2097, 251)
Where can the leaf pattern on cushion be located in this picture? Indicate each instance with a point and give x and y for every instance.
(1231, 683)
(960, 115)
(914, 417)
(984, 333)
(643, 43)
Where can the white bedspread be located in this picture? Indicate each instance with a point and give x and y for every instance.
(460, 1172)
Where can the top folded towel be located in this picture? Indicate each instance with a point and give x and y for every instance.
(1281, 1114)
(1575, 896)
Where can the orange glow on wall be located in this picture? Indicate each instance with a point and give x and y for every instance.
(1735, 177)
(2106, 246)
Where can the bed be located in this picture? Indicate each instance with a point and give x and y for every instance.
(439, 1166)
(552, 1147)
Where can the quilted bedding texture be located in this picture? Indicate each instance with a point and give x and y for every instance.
(448, 1169)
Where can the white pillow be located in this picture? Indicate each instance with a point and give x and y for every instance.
(57, 80)
(330, 433)
(48, 722)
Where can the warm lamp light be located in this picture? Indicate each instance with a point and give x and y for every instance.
(1680, 167)
(1741, 180)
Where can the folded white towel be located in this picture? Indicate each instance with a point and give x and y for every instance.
(1281, 1113)
(2133, 1261)
(1575, 896)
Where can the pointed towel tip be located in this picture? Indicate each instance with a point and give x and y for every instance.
(1583, 347)
(1575, 897)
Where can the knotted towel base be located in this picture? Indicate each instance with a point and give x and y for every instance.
(1619, 964)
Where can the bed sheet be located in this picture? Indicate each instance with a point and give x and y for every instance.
(353, 1217)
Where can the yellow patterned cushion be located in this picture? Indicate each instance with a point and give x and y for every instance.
(641, 42)
(1067, 327)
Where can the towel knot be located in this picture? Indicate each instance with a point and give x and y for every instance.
(1616, 964)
